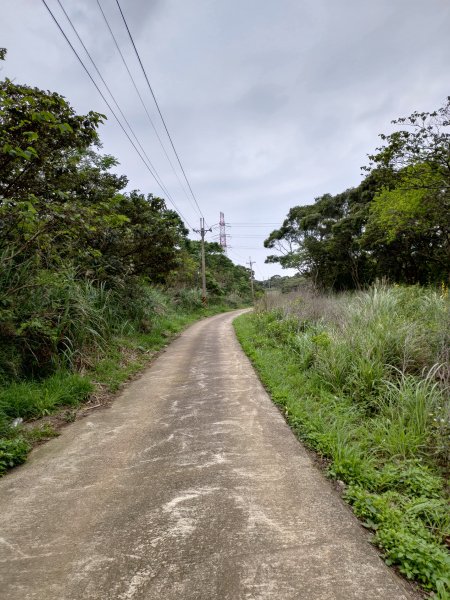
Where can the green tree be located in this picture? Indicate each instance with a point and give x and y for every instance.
(395, 224)
(59, 200)
(410, 215)
(67, 226)
(42, 142)
(151, 242)
(322, 240)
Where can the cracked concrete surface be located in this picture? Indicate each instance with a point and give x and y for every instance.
(191, 486)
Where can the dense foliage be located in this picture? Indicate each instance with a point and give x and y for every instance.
(74, 247)
(107, 360)
(395, 224)
(363, 379)
(83, 263)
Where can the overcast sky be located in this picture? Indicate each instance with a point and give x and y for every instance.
(270, 103)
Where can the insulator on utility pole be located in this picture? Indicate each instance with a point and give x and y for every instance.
(202, 231)
(251, 263)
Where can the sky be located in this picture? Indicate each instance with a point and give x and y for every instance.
(270, 104)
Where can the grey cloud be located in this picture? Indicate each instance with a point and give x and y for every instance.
(270, 103)
(262, 99)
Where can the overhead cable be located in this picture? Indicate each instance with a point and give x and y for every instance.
(252, 224)
(156, 175)
(157, 105)
(109, 107)
(143, 104)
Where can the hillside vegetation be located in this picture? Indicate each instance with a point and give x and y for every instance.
(395, 224)
(89, 273)
(363, 379)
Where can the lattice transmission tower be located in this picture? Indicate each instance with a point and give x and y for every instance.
(223, 233)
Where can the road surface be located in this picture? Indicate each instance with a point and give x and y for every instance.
(190, 487)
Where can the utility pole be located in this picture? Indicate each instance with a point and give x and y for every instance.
(251, 263)
(202, 231)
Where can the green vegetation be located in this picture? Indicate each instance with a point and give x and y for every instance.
(394, 225)
(363, 379)
(128, 349)
(92, 278)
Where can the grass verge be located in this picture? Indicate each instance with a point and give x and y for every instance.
(23, 404)
(378, 434)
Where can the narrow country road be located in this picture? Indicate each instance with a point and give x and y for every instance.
(190, 487)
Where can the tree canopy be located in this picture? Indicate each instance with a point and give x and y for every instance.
(395, 224)
(68, 227)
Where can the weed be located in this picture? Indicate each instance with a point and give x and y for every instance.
(361, 380)
(33, 399)
(41, 433)
(13, 452)
(154, 318)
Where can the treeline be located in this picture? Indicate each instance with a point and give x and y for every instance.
(282, 283)
(394, 225)
(80, 256)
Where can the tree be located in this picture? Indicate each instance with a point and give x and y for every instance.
(69, 235)
(60, 202)
(322, 240)
(150, 243)
(395, 224)
(410, 214)
(42, 144)
(223, 277)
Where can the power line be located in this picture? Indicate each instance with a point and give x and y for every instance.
(142, 102)
(108, 105)
(239, 256)
(249, 247)
(246, 225)
(159, 180)
(157, 106)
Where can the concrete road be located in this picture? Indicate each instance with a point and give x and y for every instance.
(191, 486)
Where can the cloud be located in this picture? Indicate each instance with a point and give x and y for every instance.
(270, 104)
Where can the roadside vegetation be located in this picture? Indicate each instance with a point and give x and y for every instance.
(93, 278)
(97, 366)
(363, 379)
(394, 225)
(363, 376)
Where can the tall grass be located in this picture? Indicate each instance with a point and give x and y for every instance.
(48, 319)
(60, 333)
(364, 379)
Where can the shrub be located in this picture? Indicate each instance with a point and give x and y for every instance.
(12, 452)
(189, 299)
(50, 317)
(362, 380)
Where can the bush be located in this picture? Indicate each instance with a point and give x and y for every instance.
(406, 541)
(417, 558)
(50, 318)
(189, 299)
(364, 384)
(12, 452)
(139, 306)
